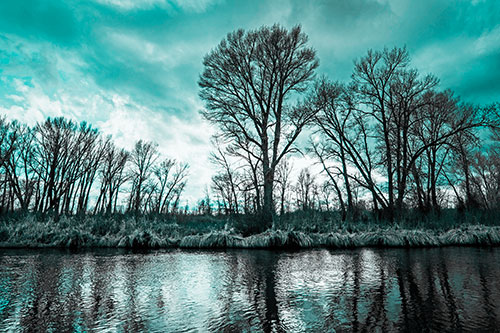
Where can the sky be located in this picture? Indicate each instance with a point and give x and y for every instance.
(131, 67)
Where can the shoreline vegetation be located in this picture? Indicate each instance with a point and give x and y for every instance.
(211, 232)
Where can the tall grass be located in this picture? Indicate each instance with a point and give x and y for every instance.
(292, 231)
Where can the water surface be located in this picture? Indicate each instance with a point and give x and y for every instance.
(442, 289)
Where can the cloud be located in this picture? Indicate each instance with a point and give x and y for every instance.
(464, 64)
(196, 6)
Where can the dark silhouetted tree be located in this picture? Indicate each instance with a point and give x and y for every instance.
(142, 158)
(250, 84)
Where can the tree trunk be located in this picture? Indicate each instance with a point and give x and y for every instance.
(267, 208)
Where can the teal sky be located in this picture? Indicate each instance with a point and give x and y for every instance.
(131, 67)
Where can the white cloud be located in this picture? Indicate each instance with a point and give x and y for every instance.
(167, 54)
(186, 140)
(133, 4)
(488, 42)
(32, 104)
(196, 6)
(15, 98)
(453, 59)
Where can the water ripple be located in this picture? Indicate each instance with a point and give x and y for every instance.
(448, 289)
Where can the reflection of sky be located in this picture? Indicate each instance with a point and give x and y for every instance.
(131, 67)
(330, 281)
(316, 290)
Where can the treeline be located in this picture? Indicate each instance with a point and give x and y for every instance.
(388, 140)
(61, 167)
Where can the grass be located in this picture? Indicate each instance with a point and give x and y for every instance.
(291, 231)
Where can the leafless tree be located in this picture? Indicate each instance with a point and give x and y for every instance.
(8, 145)
(389, 94)
(250, 173)
(142, 159)
(327, 196)
(59, 157)
(112, 176)
(17, 154)
(390, 123)
(306, 190)
(170, 180)
(283, 172)
(249, 84)
(335, 122)
(55, 165)
(226, 183)
(91, 150)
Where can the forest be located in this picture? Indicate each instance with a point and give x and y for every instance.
(397, 154)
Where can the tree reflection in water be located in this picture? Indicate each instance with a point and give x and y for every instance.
(445, 289)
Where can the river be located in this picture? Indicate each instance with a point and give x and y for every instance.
(442, 289)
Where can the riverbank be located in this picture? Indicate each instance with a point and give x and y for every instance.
(70, 232)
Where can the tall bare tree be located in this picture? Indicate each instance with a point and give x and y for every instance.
(170, 180)
(113, 176)
(226, 183)
(143, 158)
(60, 150)
(306, 190)
(18, 155)
(249, 83)
(283, 172)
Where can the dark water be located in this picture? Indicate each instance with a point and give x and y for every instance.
(449, 289)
